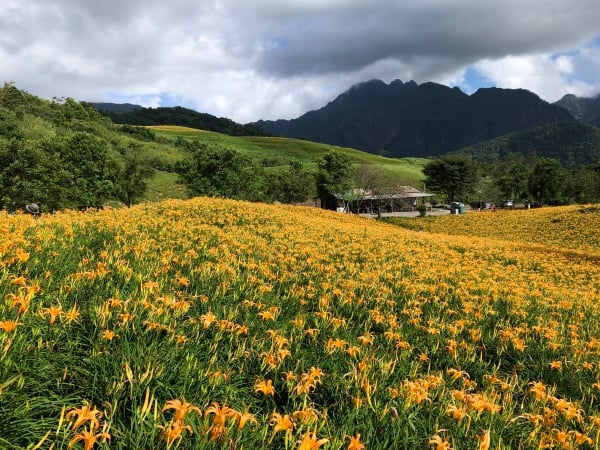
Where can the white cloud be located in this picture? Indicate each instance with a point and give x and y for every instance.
(564, 65)
(249, 60)
(549, 76)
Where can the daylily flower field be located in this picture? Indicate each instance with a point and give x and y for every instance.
(226, 325)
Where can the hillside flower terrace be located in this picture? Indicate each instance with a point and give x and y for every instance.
(212, 324)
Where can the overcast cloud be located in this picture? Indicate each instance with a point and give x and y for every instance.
(271, 59)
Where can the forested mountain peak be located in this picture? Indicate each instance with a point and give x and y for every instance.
(403, 119)
(585, 109)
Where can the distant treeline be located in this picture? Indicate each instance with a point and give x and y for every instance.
(183, 117)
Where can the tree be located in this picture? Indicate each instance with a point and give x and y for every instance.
(583, 185)
(291, 185)
(221, 172)
(9, 127)
(370, 179)
(514, 180)
(133, 176)
(334, 177)
(455, 176)
(89, 172)
(28, 174)
(548, 181)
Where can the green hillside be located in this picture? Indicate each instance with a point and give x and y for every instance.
(34, 131)
(278, 151)
(574, 144)
(44, 145)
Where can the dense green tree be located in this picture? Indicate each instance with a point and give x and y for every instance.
(57, 172)
(294, 184)
(65, 154)
(11, 97)
(9, 126)
(29, 173)
(334, 177)
(133, 175)
(455, 176)
(141, 133)
(90, 173)
(513, 181)
(583, 185)
(548, 181)
(221, 172)
(74, 111)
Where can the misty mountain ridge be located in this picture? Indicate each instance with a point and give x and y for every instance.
(585, 109)
(408, 119)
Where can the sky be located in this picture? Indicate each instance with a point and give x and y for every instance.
(277, 59)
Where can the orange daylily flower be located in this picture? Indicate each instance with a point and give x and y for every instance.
(220, 416)
(8, 325)
(72, 314)
(244, 418)
(281, 423)
(265, 387)
(173, 431)
(53, 312)
(22, 255)
(85, 414)
(555, 365)
(440, 444)
(183, 281)
(207, 319)
(109, 335)
(484, 440)
(310, 442)
(181, 408)
(88, 438)
(355, 443)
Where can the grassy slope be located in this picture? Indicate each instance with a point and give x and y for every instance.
(282, 150)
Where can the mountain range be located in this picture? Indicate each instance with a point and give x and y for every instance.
(407, 119)
(401, 119)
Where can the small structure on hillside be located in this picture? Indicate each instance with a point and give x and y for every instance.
(367, 201)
